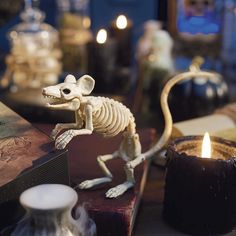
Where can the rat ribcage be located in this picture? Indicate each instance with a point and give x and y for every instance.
(112, 118)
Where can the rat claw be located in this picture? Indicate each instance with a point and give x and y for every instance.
(64, 139)
(60, 145)
(86, 184)
(53, 134)
(119, 189)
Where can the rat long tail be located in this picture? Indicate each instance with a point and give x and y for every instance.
(193, 73)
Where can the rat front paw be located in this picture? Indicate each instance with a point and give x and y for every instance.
(64, 139)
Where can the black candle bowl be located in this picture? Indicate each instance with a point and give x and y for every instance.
(200, 193)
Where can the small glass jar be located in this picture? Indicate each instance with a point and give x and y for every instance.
(75, 33)
(34, 59)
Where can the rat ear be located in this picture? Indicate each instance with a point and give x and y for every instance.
(70, 79)
(86, 84)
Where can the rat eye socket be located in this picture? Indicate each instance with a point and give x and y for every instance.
(66, 91)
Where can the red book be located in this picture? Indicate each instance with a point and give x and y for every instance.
(113, 217)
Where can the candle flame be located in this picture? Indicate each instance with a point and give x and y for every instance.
(121, 22)
(86, 22)
(206, 146)
(101, 36)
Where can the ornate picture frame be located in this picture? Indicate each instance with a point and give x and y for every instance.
(196, 26)
(195, 17)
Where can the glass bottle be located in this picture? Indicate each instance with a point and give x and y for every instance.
(75, 33)
(34, 59)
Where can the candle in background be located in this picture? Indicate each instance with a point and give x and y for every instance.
(101, 36)
(121, 22)
(121, 31)
(102, 58)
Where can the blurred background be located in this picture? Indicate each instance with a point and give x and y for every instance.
(130, 47)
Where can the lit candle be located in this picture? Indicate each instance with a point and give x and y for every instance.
(200, 185)
(206, 146)
(121, 22)
(101, 36)
(121, 31)
(101, 61)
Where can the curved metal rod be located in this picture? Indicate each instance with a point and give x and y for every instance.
(193, 73)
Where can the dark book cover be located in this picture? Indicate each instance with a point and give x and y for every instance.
(27, 158)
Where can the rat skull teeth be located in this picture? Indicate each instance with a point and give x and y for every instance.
(50, 96)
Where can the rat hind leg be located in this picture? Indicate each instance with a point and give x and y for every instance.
(108, 175)
(121, 188)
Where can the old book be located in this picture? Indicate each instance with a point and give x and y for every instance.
(27, 158)
(216, 124)
(113, 217)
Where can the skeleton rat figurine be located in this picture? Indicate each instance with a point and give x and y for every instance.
(107, 117)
